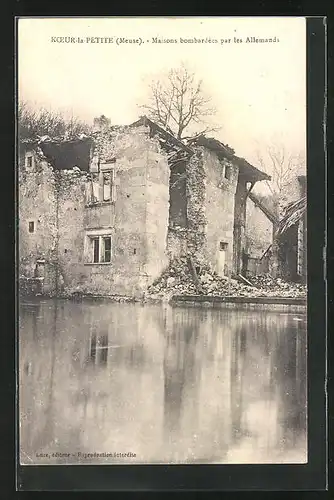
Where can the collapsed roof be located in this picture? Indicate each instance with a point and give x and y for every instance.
(252, 173)
(66, 153)
(62, 153)
(224, 151)
(294, 212)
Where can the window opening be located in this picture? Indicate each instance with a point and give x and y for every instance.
(107, 248)
(106, 186)
(96, 250)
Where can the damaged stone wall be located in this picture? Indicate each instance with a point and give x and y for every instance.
(209, 213)
(196, 217)
(37, 238)
(239, 230)
(157, 209)
(219, 210)
(70, 185)
(178, 195)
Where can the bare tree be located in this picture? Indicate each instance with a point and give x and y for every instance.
(282, 167)
(178, 103)
(37, 123)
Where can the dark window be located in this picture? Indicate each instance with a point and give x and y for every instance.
(29, 161)
(228, 172)
(222, 245)
(106, 186)
(31, 227)
(96, 250)
(134, 251)
(107, 248)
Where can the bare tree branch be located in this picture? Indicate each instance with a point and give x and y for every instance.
(177, 101)
(37, 123)
(282, 167)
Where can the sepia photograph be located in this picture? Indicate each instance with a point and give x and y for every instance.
(162, 240)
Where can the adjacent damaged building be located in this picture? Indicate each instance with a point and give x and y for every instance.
(291, 235)
(104, 215)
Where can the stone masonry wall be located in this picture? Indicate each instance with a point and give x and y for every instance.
(37, 206)
(219, 211)
(210, 212)
(196, 217)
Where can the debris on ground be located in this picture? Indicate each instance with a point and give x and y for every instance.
(273, 285)
(178, 279)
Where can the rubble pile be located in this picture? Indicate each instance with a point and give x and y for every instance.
(179, 280)
(277, 286)
(175, 280)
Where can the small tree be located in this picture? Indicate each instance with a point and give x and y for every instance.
(178, 103)
(37, 123)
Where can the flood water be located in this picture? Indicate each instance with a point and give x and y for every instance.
(160, 385)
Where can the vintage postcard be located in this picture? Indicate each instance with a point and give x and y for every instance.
(162, 260)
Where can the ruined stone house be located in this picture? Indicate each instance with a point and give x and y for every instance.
(103, 215)
(94, 222)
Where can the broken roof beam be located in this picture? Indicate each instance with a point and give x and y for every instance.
(154, 127)
(251, 172)
(294, 212)
(258, 203)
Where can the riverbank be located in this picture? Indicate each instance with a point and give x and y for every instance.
(278, 304)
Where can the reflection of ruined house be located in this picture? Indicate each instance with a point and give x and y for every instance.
(102, 215)
(179, 372)
(292, 234)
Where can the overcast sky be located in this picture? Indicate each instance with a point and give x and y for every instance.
(258, 89)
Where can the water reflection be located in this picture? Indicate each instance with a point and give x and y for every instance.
(167, 384)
